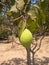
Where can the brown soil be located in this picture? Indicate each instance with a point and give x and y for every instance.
(17, 55)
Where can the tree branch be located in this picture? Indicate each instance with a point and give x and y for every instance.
(26, 6)
(16, 18)
(40, 43)
(33, 50)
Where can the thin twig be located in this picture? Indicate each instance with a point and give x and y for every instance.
(26, 5)
(16, 18)
(35, 46)
(32, 50)
(39, 44)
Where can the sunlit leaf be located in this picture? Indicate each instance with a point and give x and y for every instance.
(20, 4)
(36, 6)
(32, 14)
(42, 0)
(14, 9)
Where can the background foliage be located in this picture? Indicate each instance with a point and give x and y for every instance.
(17, 15)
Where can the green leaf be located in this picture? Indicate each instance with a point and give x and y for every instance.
(40, 14)
(9, 13)
(21, 27)
(41, 17)
(32, 25)
(44, 4)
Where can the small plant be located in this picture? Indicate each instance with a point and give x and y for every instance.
(26, 40)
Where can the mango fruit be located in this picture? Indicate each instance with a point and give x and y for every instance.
(26, 38)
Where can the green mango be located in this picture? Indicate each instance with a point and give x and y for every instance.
(26, 38)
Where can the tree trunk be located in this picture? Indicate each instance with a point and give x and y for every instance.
(28, 56)
(33, 61)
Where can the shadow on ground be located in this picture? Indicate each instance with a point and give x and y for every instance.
(42, 62)
(18, 61)
(14, 61)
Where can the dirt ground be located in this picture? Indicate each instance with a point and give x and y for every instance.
(17, 54)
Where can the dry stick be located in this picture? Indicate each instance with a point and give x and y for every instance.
(16, 18)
